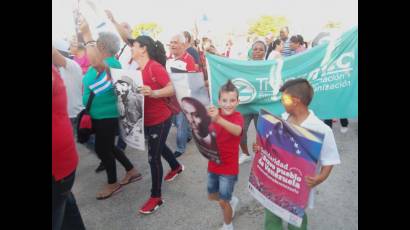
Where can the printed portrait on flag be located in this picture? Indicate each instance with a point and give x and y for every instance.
(193, 97)
(287, 155)
(130, 106)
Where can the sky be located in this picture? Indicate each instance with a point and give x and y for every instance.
(306, 17)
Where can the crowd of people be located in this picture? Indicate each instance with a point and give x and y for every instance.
(79, 70)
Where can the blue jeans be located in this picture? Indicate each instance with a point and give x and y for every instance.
(182, 125)
(222, 184)
(65, 213)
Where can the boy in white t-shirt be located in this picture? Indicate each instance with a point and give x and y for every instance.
(296, 97)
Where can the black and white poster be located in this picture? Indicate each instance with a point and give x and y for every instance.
(193, 97)
(130, 106)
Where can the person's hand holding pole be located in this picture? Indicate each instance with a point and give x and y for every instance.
(213, 113)
(93, 53)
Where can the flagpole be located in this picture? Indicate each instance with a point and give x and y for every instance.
(209, 78)
(76, 14)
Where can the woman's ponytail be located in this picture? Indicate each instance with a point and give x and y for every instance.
(159, 54)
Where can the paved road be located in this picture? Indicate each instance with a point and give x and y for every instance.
(186, 206)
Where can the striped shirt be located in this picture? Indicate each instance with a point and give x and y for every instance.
(287, 51)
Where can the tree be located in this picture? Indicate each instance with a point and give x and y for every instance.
(266, 24)
(150, 28)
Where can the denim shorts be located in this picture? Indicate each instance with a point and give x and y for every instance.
(222, 184)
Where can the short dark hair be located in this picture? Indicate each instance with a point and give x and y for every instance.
(276, 43)
(299, 88)
(228, 87)
(298, 39)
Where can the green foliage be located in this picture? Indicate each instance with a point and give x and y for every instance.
(150, 28)
(266, 24)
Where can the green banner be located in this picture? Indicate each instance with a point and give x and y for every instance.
(331, 68)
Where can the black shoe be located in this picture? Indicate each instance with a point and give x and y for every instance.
(177, 154)
(189, 139)
(100, 168)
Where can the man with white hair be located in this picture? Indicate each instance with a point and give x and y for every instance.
(181, 62)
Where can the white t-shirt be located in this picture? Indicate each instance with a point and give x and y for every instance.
(72, 76)
(274, 55)
(329, 154)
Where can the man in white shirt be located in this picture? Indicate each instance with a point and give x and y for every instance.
(71, 74)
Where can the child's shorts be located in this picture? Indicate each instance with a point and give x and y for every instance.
(222, 184)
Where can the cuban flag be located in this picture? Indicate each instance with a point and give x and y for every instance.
(101, 84)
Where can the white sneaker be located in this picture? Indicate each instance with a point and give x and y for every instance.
(227, 227)
(234, 204)
(344, 129)
(244, 158)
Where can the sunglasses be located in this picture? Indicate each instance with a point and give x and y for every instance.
(287, 99)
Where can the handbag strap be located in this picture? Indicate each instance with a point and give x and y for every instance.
(92, 94)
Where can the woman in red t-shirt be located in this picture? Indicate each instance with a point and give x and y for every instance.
(151, 58)
(64, 160)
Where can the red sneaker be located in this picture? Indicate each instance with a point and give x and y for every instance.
(174, 173)
(151, 205)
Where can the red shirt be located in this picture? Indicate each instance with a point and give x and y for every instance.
(228, 146)
(190, 62)
(155, 109)
(64, 153)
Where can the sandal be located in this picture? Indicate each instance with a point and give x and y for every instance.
(109, 195)
(132, 179)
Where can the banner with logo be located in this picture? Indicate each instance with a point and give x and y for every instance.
(130, 106)
(331, 68)
(287, 154)
(193, 97)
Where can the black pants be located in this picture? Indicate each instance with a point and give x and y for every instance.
(157, 136)
(64, 207)
(105, 131)
(343, 121)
